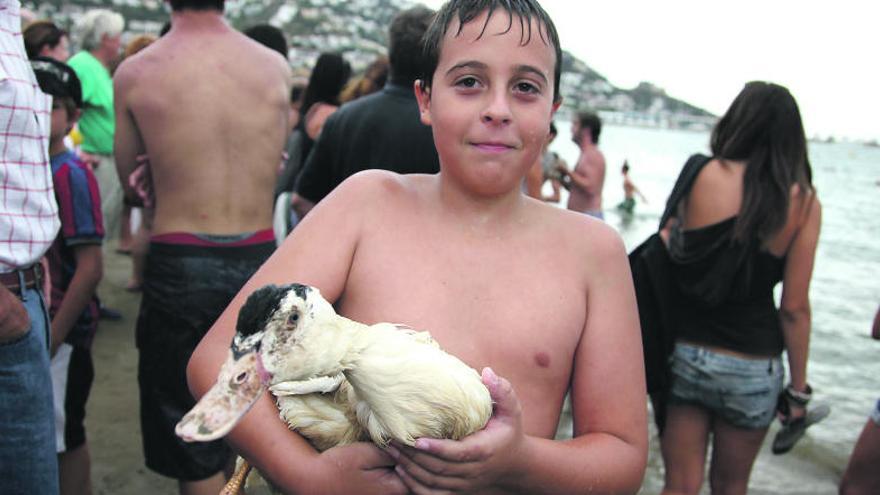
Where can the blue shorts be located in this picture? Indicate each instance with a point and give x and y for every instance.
(741, 391)
(875, 414)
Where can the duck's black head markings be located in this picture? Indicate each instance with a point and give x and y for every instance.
(260, 306)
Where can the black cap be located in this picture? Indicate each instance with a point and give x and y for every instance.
(57, 79)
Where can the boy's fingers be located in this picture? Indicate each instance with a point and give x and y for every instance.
(422, 480)
(503, 396)
(440, 455)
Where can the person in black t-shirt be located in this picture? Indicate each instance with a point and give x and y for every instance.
(381, 130)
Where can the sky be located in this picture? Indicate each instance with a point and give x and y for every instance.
(703, 52)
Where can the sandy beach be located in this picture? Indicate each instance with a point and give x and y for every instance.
(112, 417)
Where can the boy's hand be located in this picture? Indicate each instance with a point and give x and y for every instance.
(92, 161)
(477, 461)
(14, 319)
(359, 468)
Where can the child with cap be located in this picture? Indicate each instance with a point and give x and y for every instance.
(75, 268)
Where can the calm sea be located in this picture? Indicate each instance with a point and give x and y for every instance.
(844, 368)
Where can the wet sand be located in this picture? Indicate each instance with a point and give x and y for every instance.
(112, 417)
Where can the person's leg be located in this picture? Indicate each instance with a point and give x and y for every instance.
(75, 468)
(125, 236)
(28, 463)
(862, 475)
(111, 194)
(683, 445)
(733, 454)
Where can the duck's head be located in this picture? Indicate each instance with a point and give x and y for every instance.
(271, 320)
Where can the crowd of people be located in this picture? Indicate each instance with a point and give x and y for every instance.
(409, 193)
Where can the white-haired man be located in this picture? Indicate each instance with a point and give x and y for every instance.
(99, 34)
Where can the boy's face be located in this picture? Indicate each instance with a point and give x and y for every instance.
(490, 103)
(62, 120)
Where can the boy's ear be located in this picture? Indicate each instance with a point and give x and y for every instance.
(556, 105)
(423, 96)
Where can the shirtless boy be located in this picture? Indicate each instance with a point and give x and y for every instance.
(445, 253)
(209, 106)
(588, 177)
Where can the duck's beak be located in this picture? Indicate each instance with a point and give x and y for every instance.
(241, 382)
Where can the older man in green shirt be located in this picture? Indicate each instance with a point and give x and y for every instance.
(100, 36)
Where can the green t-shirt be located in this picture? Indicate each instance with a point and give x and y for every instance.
(97, 122)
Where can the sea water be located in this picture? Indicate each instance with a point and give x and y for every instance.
(843, 368)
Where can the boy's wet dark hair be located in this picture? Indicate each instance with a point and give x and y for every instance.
(465, 11)
(197, 4)
(405, 44)
(39, 34)
(591, 121)
(58, 80)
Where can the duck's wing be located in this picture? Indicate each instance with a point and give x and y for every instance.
(319, 384)
(420, 336)
(326, 420)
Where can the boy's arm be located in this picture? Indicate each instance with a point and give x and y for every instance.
(608, 453)
(88, 273)
(127, 141)
(319, 252)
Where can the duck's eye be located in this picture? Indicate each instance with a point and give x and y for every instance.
(240, 377)
(292, 319)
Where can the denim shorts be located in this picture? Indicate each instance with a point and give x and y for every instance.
(875, 414)
(741, 391)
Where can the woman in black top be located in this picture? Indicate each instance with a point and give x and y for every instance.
(748, 219)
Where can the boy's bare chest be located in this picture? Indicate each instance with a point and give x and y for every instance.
(498, 303)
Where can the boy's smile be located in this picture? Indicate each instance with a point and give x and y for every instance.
(490, 102)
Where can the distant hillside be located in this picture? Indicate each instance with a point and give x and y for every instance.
(358, 29)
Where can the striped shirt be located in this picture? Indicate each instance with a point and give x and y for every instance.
(28, 211)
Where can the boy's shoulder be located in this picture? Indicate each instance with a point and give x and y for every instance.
(79, 199)
(64, 162)
(390, 186)
(572, 230)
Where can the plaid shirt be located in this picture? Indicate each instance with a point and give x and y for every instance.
(28, 211)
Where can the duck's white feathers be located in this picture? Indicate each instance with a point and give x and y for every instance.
(325, 419)
(337, 381)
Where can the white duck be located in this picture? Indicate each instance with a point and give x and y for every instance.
(337, 381)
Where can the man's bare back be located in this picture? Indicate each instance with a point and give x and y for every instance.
(209, 107)
(588, 179)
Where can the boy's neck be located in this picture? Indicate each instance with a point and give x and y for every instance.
(477, 211)
(57, 147)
